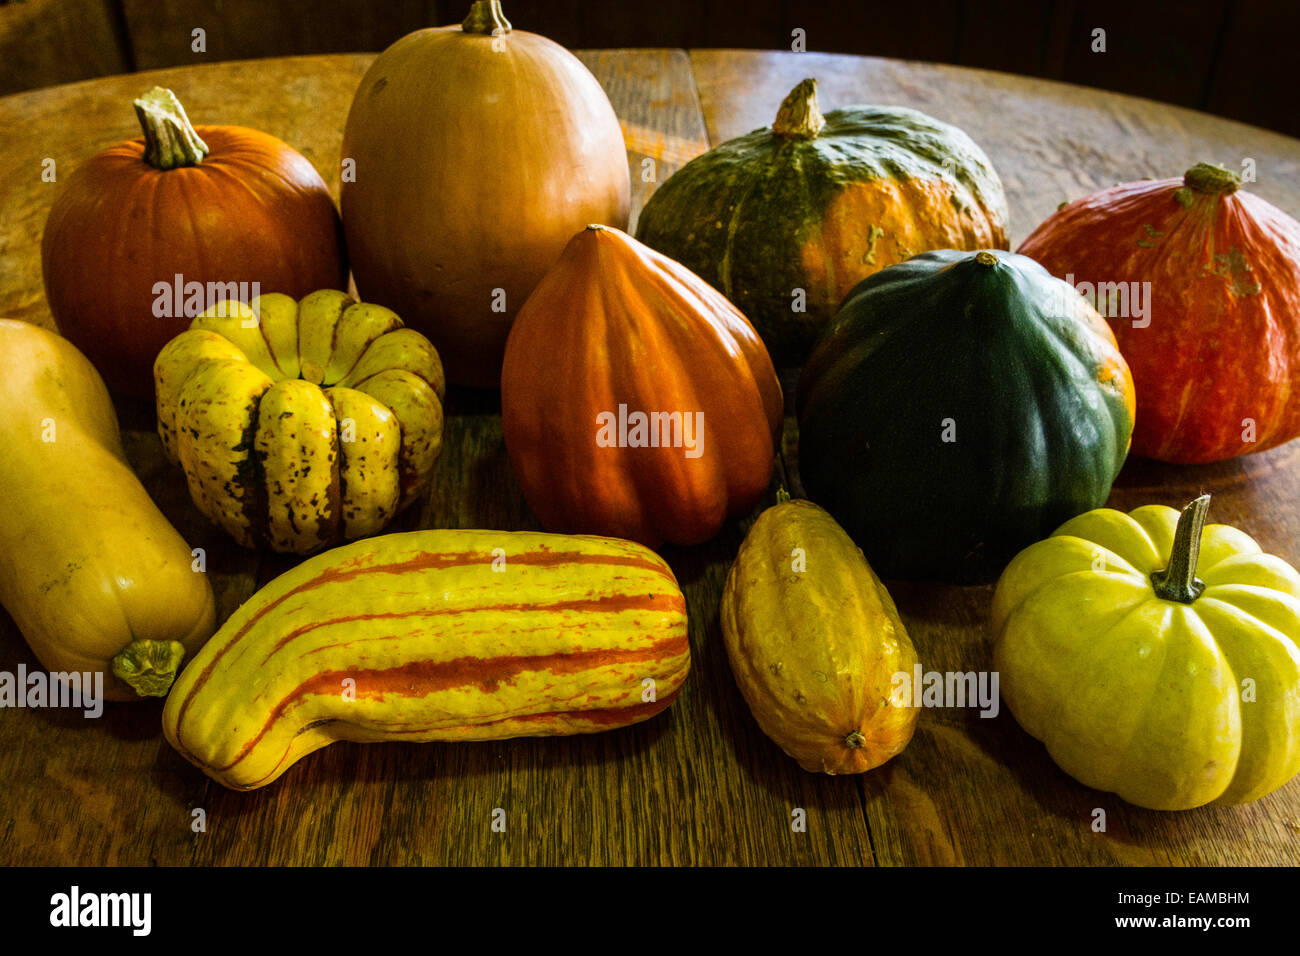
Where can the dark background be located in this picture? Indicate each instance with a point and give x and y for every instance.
(1231, 57)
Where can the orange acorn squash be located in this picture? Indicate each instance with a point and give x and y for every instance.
(636, 401)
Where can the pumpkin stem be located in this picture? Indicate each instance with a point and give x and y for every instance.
(1179, 582)
(799, 116)
(856, 740)
(487, 18)
(149, 667)
(169, 139)
(986, 258)
(782, 496)
(1205, 178)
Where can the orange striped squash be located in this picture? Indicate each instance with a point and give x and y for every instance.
(433, 635)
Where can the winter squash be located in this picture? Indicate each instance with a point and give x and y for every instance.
(478, 151)
(1200, 282)
(1156, 657)
(579, 635)
(301, 424)
(636, 401)
(787, 219)
(815, 643)
(149, 232)
(95, 577)
(959, 406)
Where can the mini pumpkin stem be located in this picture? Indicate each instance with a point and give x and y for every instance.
(149, 667)
(799, 116)
(169, 139)
(1178, 582)
(1206, 178)
(856, 740)
(487, 18)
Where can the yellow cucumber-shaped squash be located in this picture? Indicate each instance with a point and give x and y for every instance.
(433, 635)
(814, 641)
(94, 576)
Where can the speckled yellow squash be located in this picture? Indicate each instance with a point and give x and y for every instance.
(815, 642)
(301, 424)
(1143, 679)
(434, 635)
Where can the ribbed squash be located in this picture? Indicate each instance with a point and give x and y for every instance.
(433, 635)
(300, 425)
(814, 641)
(959, 407)
(636, 401)
(787, 219)
(1154, 656)
(1215, 353)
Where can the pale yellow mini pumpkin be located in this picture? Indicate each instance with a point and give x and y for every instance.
(1143, 679)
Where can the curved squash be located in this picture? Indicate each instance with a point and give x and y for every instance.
(94, 576)
(433, 635)
(959, 407)
(786, 220)
(301, 424)
(815, 642)
(1154, 656)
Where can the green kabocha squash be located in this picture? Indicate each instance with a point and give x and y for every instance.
(785, 220)
(958, 407)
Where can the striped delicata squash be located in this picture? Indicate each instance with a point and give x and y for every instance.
(433, 635)
(301, 424)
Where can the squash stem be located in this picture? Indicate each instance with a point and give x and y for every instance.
(148, 667)
(487, 18)
(1178, 582)
(169, 139)
(799, 116)
(1215, 180)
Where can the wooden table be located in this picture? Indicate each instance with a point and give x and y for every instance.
(699, 784)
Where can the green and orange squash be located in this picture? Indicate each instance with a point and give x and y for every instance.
(787, 219)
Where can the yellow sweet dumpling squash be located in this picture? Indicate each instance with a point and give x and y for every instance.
(1155, 657)
(301, 424)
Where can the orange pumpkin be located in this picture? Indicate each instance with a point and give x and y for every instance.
(222, 207)
(637, 402)
(479, 150)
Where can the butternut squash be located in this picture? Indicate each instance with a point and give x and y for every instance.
(433, 635)
(91, 571)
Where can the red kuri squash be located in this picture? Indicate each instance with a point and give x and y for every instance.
(1200, 282)
(148, 232)
(637, 402)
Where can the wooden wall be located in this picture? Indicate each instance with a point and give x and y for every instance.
(1230, 57)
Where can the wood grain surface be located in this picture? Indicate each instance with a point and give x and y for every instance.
(700, 784)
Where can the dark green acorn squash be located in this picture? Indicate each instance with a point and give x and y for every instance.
(817, 203)
(959, 407)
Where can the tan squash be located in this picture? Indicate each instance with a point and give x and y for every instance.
(478, 151)
(816, 643)
(91, 571)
